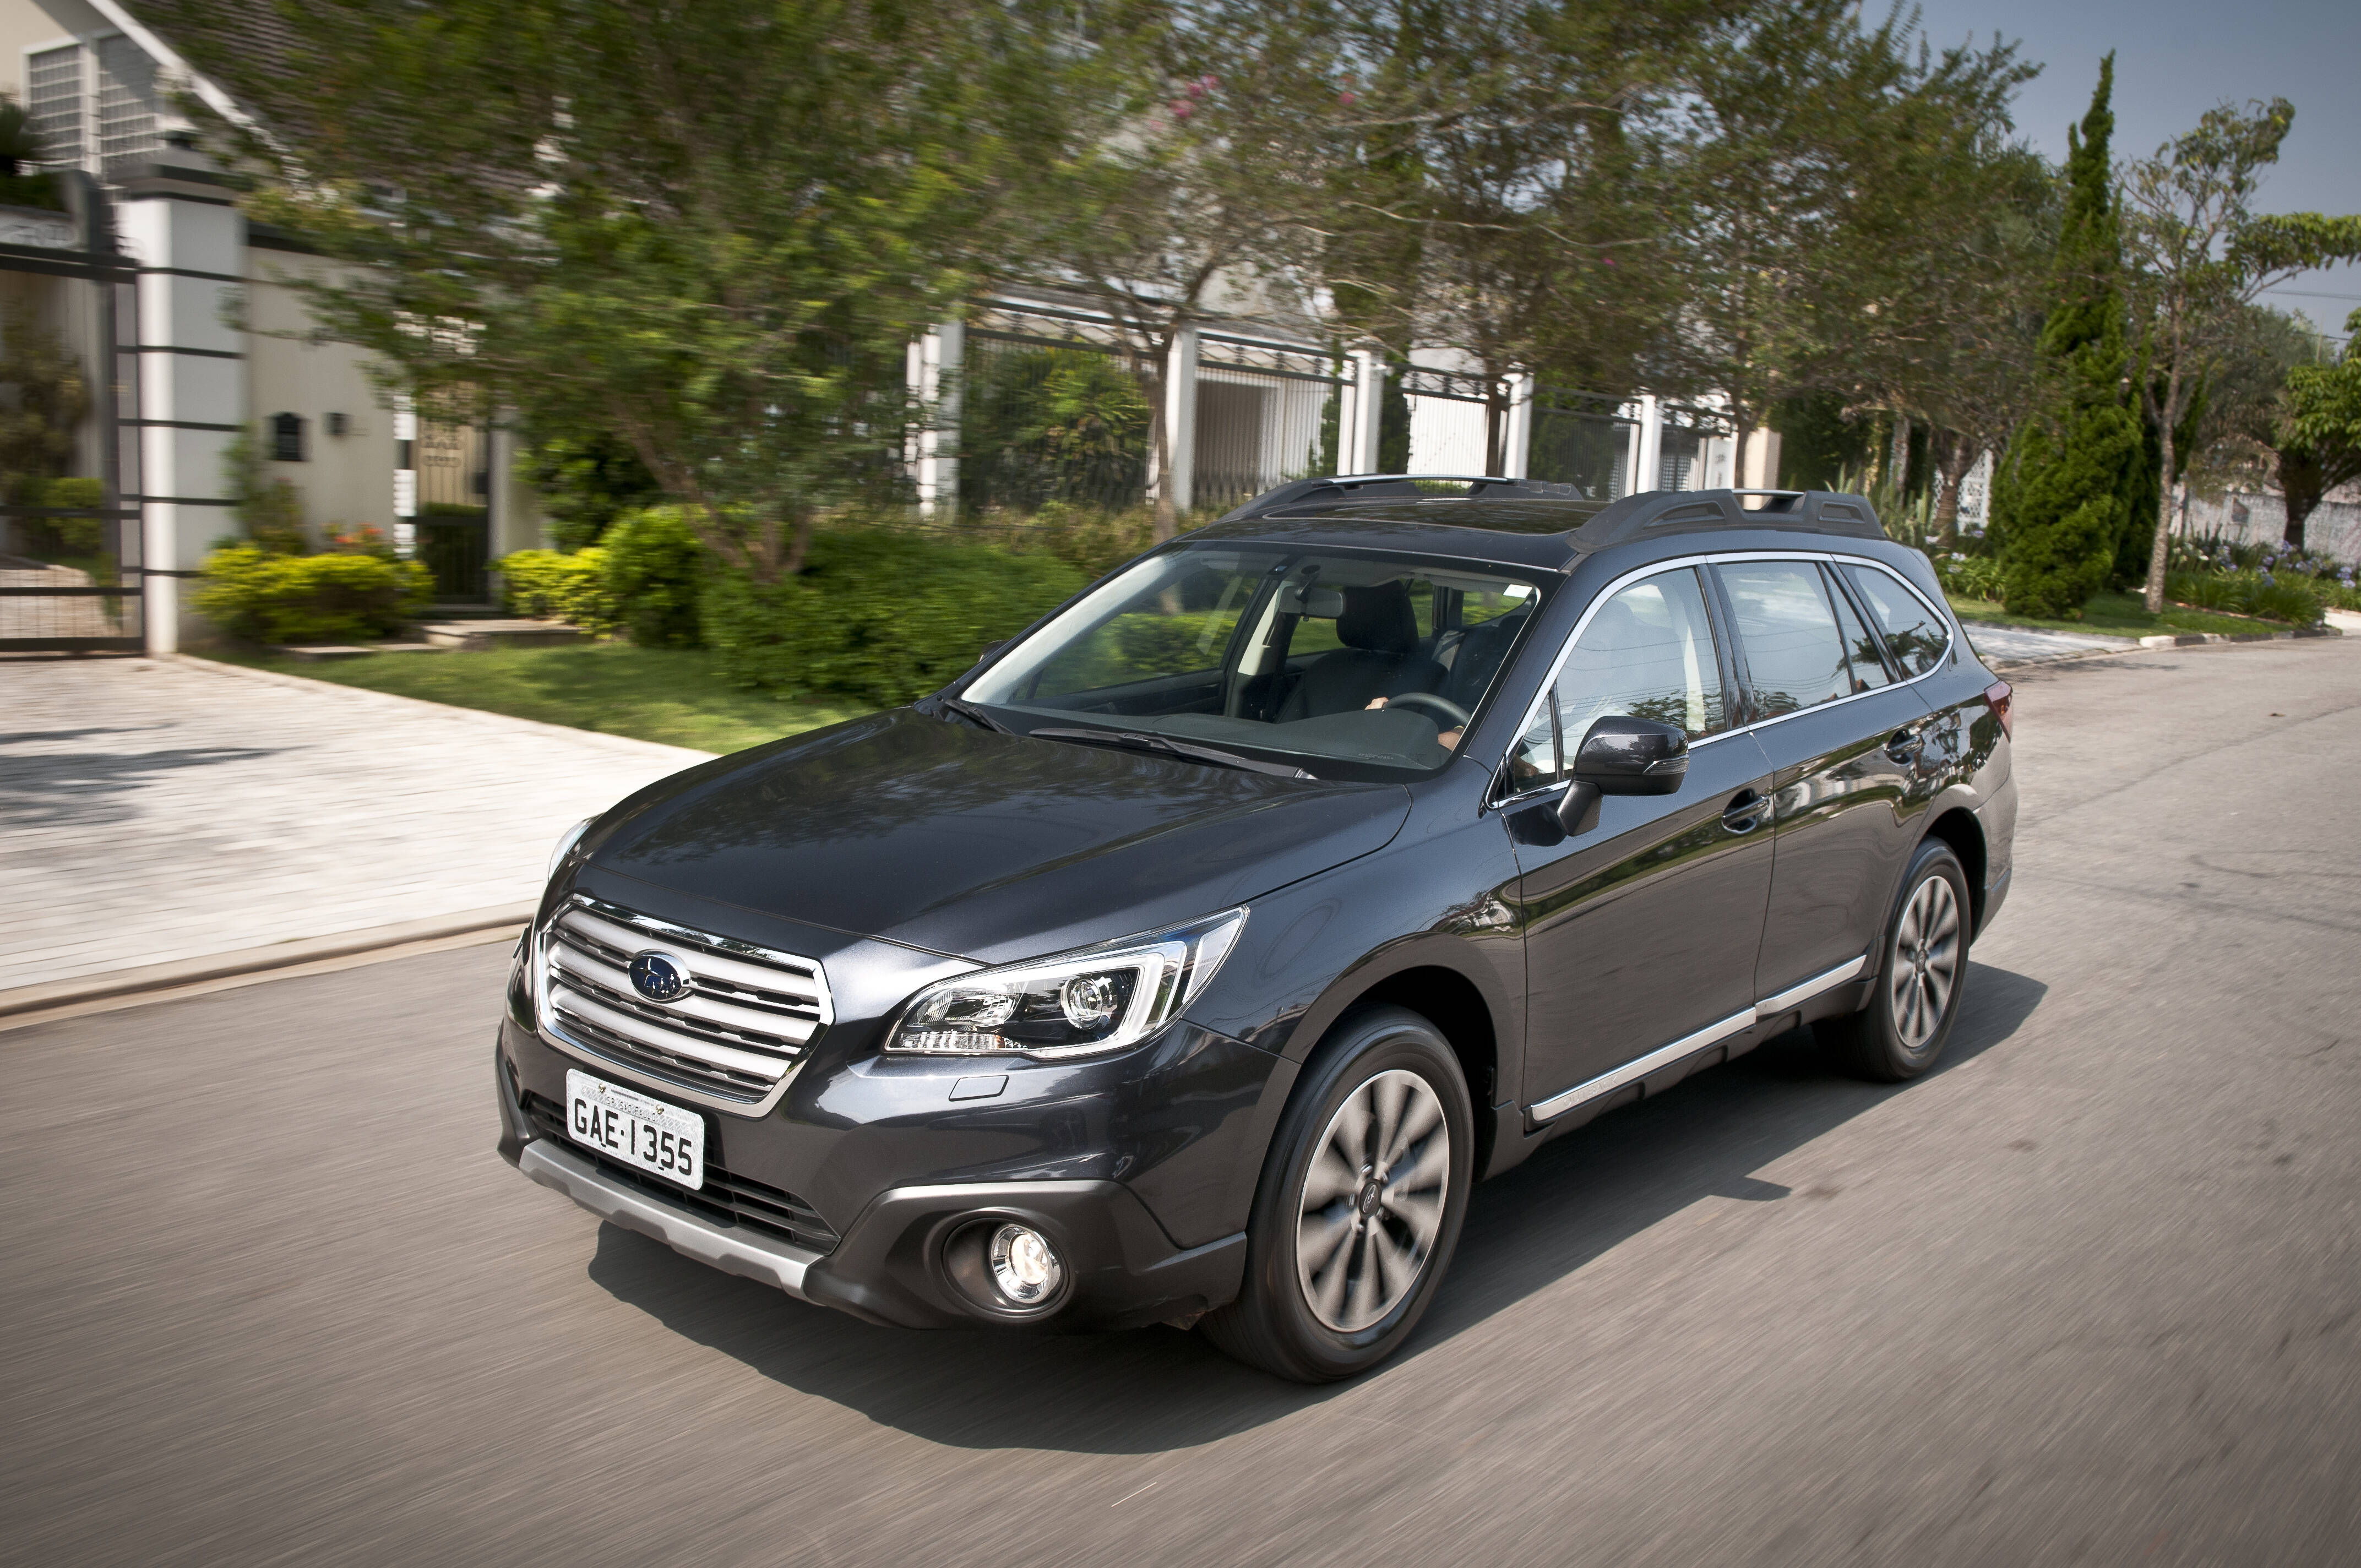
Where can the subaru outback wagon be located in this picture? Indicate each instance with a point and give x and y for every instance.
(1189, 958)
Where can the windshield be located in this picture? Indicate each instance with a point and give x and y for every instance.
(1348, 667)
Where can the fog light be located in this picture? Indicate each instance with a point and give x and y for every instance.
(1024, 1264)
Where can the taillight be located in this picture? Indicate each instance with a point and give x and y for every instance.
(1998, 696)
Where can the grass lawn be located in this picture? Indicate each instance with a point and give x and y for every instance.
(654, 694)
(2119, 614)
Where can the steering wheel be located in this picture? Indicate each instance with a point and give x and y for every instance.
(1442, 706)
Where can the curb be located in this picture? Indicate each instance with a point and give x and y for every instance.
(686, 756)
(253, 960)
(2194, 638)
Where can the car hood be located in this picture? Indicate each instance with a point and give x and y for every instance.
(980, 845)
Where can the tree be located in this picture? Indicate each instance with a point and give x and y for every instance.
(2059, 498)
(2319, 430)
(2202, 255)
(709, 226)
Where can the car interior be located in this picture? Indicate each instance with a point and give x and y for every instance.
(1334, 657)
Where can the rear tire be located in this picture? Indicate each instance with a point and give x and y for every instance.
(1360, 1204)
(1922, 973)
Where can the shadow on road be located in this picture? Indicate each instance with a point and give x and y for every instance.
(1158, 1389)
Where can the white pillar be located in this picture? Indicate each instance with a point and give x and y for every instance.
(1517, 439)
(1651, 461)
(936, 362)
(1357, 439)
(405, 476)
(1760, 469)
(1181, 419)
(191, 250)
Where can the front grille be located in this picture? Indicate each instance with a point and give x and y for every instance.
(750, 1016)
(727, 1199)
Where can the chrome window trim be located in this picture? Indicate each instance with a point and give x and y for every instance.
(1712, 1034)
(1640, 574)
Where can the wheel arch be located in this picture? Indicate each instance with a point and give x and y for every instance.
(1955, 825)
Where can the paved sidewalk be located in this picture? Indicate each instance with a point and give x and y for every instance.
(2021, 643)
(159, 811)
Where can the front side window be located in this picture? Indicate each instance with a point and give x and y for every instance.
(1912, 632)
(1647, 651)
(1788, 628)
(1346, 667)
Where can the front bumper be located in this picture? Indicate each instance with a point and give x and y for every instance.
(889, 1266)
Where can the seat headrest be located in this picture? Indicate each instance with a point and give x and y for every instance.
(1378, 618)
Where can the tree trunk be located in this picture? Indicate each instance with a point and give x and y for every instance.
(1951, 472)
(1159, 441)
(1898, 460)
(2300, 483)
(2154, 598)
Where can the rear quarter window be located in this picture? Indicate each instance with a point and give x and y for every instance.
(1913, 634)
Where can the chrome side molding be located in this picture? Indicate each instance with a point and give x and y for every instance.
(1689, 1045)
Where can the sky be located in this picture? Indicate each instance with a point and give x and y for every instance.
(2175, 59)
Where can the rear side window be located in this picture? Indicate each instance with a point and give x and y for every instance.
(1787, 629)
(1916, 637)
(1647, 651)
(1861, 649)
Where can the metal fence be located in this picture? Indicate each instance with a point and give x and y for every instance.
(1582, 439)
(1054, 406)
(1266, 413)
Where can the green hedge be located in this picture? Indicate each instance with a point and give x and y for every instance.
(877, 616)
(550, 586)
(2286, 597)
(265, 596)
(655, 571)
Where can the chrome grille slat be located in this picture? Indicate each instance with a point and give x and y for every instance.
(781, 1031)
(627, 940)
(732, 1042)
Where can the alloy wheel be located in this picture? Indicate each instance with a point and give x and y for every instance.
(1925, 970)
(1372, 1200)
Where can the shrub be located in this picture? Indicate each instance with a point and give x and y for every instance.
(265, 596)
(2291, 598)
(876, 615)
(1970, 576)
(550, 586)
(654, 574)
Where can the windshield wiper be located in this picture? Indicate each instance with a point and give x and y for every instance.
(1141, 740)
(961, 707)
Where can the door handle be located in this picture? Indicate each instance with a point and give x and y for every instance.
(1903, 746)
(1744, 812)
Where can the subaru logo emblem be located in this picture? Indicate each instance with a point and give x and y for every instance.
(659, 977)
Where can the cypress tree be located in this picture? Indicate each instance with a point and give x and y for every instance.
(2062, 500)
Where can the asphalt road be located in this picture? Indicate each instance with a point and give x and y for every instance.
(2087, 1294)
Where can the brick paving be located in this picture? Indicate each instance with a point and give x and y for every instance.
(2022, 642)
(153, 811)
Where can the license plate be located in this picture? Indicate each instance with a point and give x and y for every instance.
(663, 1140)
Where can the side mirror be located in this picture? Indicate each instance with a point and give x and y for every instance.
(1623, 755)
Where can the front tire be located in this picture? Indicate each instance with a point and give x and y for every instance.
(1921, 976)
(1360, 1204)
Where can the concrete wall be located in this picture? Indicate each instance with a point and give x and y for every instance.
(347, 481)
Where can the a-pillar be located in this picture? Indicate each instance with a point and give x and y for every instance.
(184, 231)
(1178, 479)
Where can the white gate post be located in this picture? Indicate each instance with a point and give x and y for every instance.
(936, 363)
(1181, 420)
(1648, 468)
(1358, 434)
(1517, 436)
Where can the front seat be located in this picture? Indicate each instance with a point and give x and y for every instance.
(1380, 657)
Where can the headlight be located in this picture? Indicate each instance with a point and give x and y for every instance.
(1098, 998)
(565, 841)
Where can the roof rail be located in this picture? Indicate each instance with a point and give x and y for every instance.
(1678, 511)
(1341, 488)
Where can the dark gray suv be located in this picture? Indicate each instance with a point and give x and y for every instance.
(1190, 957)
